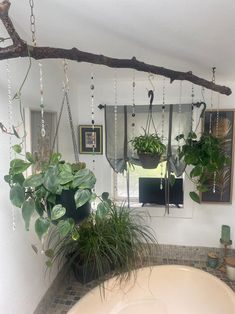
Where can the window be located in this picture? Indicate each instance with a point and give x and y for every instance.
(136, 172)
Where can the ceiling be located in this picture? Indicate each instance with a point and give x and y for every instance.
(179, 34)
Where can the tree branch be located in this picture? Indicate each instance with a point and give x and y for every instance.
(20, 49)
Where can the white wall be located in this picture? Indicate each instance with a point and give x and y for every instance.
(23, 281)
(195, 224)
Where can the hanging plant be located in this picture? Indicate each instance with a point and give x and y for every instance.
(206, 157)
(149, 148)
(44, 193)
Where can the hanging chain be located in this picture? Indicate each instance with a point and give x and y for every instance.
(192, 101)
(10, 123)
(32, 23)
(217, 121)
(212, 95)
(179, 112)
(43, 130)
(133, 110)
(163, 124)
(92, 87)
(115, 131)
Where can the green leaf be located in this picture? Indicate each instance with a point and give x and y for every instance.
(195, 197)
(65, 177)
(49, 264)
(55, 158)
(65, 226)
(17, 195)
(41, 227)
(28, 208)
(51, 179)
(49, 253)
(30, 157)
(105, 196)
(34, 180)
(196, 171)
(84, 179)
(18, 166)
(17, 148)
(81, 197)
(57, 212)
(75, 234)
(39, 207)
(103, 208)
(18, 178)
(7, 178)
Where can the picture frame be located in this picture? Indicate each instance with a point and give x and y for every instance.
(221, 123)
(85, 135)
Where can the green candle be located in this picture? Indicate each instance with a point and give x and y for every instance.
(225, 234)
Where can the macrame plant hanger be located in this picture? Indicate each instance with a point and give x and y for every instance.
(66, 99)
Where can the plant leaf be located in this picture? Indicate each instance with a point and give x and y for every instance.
(75, 234)
(105, 196)
(28, 208)
(18, 166)
(41, 227)
(81, 197)
(51, 179)
(49, 253)
(30, 157)
(84, 179)
(17, 195)
(57, 212)
(64, 227)
(195, 197)
(34, 180)
(17, 148)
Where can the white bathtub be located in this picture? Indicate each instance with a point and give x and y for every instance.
(167, 289)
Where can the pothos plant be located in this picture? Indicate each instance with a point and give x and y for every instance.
(38, 193)
(206, 157)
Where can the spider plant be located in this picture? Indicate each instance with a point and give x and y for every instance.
(114, 238)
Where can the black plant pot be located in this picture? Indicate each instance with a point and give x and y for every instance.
(149, 161)
(66, 199)
(88, 272)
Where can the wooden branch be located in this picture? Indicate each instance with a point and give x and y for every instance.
(21, 49)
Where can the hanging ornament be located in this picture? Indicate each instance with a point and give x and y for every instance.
(115, 132)
(162, 131)
(43, 131)
(179, 113)
(192, 102)
(133, 110)
(10, 123)
(92, 88)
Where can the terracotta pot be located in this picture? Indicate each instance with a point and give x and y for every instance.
(149, 161)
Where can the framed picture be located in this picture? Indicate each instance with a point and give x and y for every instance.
(88, 138)
(221, 124)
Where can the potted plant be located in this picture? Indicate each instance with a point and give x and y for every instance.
(113, 238)
(45, 192)
(149, 148)
(206, 157)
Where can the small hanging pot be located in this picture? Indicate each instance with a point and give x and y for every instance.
(149, 161)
